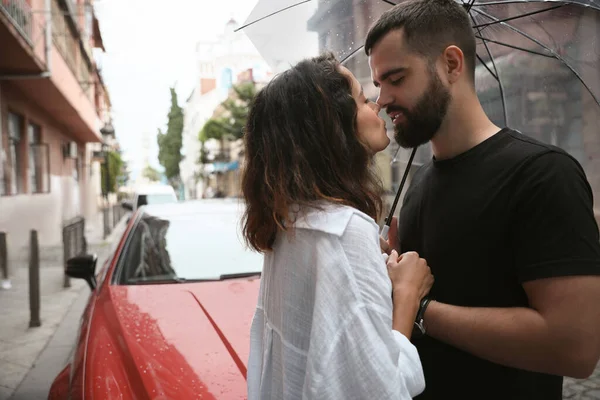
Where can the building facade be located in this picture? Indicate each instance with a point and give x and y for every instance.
(53, 104)
(221, 64)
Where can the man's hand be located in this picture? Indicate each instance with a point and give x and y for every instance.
(392, 243)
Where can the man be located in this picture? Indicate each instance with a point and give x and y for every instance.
(505, 222)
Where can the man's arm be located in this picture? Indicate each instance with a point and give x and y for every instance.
(559, 335)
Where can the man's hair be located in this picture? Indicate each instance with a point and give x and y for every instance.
(302, 148)
(429, 27)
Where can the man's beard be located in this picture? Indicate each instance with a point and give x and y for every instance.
(421, 124)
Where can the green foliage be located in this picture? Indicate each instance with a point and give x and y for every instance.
(237, 107)
(234, 115)
(151, 174)
(203, 159)
(169, 143)
(213, 129)
(115, 171)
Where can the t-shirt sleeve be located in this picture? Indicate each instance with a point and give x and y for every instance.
(554, 229)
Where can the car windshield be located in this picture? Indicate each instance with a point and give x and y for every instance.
(189, 246)
(150, 199)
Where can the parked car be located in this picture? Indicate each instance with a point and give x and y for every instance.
(170, 310)
(151, 194)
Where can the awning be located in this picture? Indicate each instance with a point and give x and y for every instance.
(222, 166)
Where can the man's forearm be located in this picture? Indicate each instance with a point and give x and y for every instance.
(515, 337)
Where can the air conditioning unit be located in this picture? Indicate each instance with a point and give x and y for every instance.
(71, 150)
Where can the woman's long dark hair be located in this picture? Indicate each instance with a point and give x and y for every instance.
(302, 148)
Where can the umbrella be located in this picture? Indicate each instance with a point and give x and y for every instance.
(537, 68)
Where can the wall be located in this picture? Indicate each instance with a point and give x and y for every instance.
(44, 212)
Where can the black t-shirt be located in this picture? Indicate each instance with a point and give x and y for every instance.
(507, 211)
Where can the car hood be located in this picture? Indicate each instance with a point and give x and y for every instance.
(187, 340)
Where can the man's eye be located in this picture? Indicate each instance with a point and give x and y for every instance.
(396, 81)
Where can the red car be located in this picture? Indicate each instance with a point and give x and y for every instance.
(170, 311)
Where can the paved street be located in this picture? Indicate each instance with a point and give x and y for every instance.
(587, 389)
(30, 358)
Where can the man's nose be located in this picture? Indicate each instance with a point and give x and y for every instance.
(383, 100)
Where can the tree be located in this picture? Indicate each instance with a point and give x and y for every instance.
(230, 117)
(151, 174)
(236, 109)
(214, 128)
(115, 171)
(123, 177)
(169, 143)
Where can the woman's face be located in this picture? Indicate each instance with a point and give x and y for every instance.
(370, 128)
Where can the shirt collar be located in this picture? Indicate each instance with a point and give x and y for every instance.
(328, 218)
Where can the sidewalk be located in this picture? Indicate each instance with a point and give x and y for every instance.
(20, 346)
(583, 389)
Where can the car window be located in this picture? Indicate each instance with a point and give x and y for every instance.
(188, 247)
(141, 200)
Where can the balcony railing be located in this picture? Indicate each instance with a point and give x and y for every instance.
(68, 43)
(19, 12)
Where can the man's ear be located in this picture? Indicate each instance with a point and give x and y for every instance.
(454, 63)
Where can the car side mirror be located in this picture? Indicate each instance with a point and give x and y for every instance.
(83, 267)
(128, 205)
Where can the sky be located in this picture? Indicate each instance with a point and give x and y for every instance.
(150, 47)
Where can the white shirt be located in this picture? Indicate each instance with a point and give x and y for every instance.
(323, 324)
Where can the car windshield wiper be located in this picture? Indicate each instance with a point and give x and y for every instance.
(149, 280)
(239, 275)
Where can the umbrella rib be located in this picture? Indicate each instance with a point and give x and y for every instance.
(389, 2)
(497, 75)
(272, 14)
(556, 55)
(470, 5)
(518, 16)
(503, 2)
(352, 54)
(486, 66)
(514, 47)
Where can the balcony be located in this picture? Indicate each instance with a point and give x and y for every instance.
(19, 13)
(67, 90)
(22, 35)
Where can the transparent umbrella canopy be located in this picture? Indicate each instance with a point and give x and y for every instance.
(537, 61)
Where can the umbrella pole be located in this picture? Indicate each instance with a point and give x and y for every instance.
(388, 220)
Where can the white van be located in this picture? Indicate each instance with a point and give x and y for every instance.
(152, 194)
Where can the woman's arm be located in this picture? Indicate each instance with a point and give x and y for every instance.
(364, 355)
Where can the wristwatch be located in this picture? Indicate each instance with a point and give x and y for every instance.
(419, 325)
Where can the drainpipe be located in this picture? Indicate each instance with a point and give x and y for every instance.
(47, 50)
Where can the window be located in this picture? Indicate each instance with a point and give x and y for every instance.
(15, 153)
(227, 78)
(38, 173)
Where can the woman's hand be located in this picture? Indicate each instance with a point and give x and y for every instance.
(411, 281)
(409, 273)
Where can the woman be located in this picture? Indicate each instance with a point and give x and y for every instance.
(325, 326)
